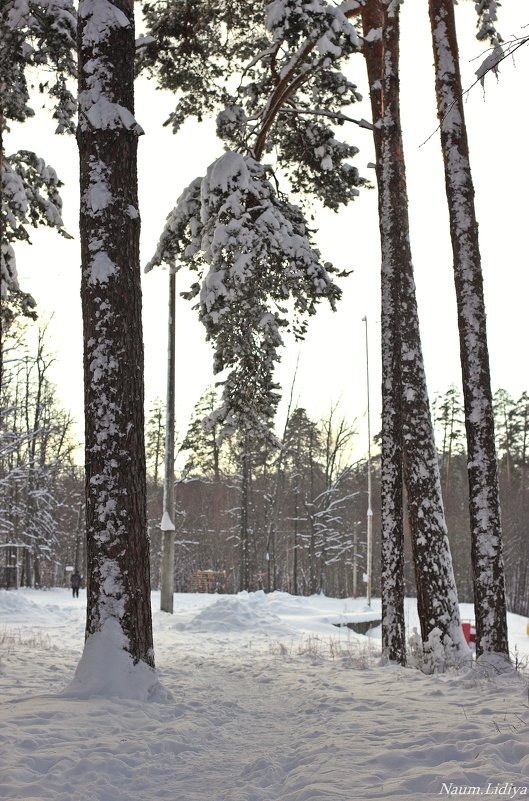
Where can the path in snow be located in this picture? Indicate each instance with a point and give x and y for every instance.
(251, 719)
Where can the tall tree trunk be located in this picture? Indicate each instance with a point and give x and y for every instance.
(244, 568)
(524, 453)
(77, 562)
(436, 591)
(310, 519)
(26, 574)
(216, 459)
(485, 519)
(392, 542)
(3, 287)
(37, 579)
(296, 541)
(117, 542)
(273, 505)
(449, 453)
(157, 448)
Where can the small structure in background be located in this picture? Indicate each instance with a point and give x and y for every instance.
(209, 581)
(469, 630)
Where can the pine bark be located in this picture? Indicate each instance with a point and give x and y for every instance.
(392, 542)
(485, 517)
(436, 591)
(295, 542)
(117, 542)
(2, 236)
(244, 569)
(310, 517)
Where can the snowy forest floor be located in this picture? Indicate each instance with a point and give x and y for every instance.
(270, 702)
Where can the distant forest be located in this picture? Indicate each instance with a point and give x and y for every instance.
(305, 499)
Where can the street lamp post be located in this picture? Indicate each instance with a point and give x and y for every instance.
(369, 482)
(167, 525)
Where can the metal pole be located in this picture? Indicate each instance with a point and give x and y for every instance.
(167, 525)
(355, 561)
(369, 484)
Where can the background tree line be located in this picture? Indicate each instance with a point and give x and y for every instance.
(304, 524)
(41, 487)
(308, 500)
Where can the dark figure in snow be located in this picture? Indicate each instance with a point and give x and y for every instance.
(75, 581)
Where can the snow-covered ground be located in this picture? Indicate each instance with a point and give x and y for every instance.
(268, 702)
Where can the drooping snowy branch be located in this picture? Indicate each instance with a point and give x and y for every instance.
(487, 19)
(486, 25)
(30, 197)
(30, 194)
(251, 247)
(490, 64)
(41, 34)
(499, 54)
(37, 33)
(254, 255)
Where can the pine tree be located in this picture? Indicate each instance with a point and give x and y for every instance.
(406, 405)
(450, 418)
(301, 446)
(154, 439)
(253, 253)
(485, 517)
(504, 408)
(202, 439)
(511, 424)
(252, 249)
(118, 554)
(522, 437)
(392, 551)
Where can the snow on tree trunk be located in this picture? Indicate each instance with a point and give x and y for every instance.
(436, 592)
(485, 519)
(310, 515)
(2, 237)
(392, 548)
(117, 543)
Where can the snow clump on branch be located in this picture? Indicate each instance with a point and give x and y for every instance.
(311, 19)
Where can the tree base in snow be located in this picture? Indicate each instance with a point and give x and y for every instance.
(492, 664)
(107, 669)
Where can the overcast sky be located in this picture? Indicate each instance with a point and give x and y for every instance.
(332, 358)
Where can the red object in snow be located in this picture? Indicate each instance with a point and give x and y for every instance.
(469, 630)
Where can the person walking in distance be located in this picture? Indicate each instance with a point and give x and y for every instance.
(75, 581)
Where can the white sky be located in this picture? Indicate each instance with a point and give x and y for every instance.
(332, 358)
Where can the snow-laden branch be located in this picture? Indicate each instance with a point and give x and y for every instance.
(253, 254)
